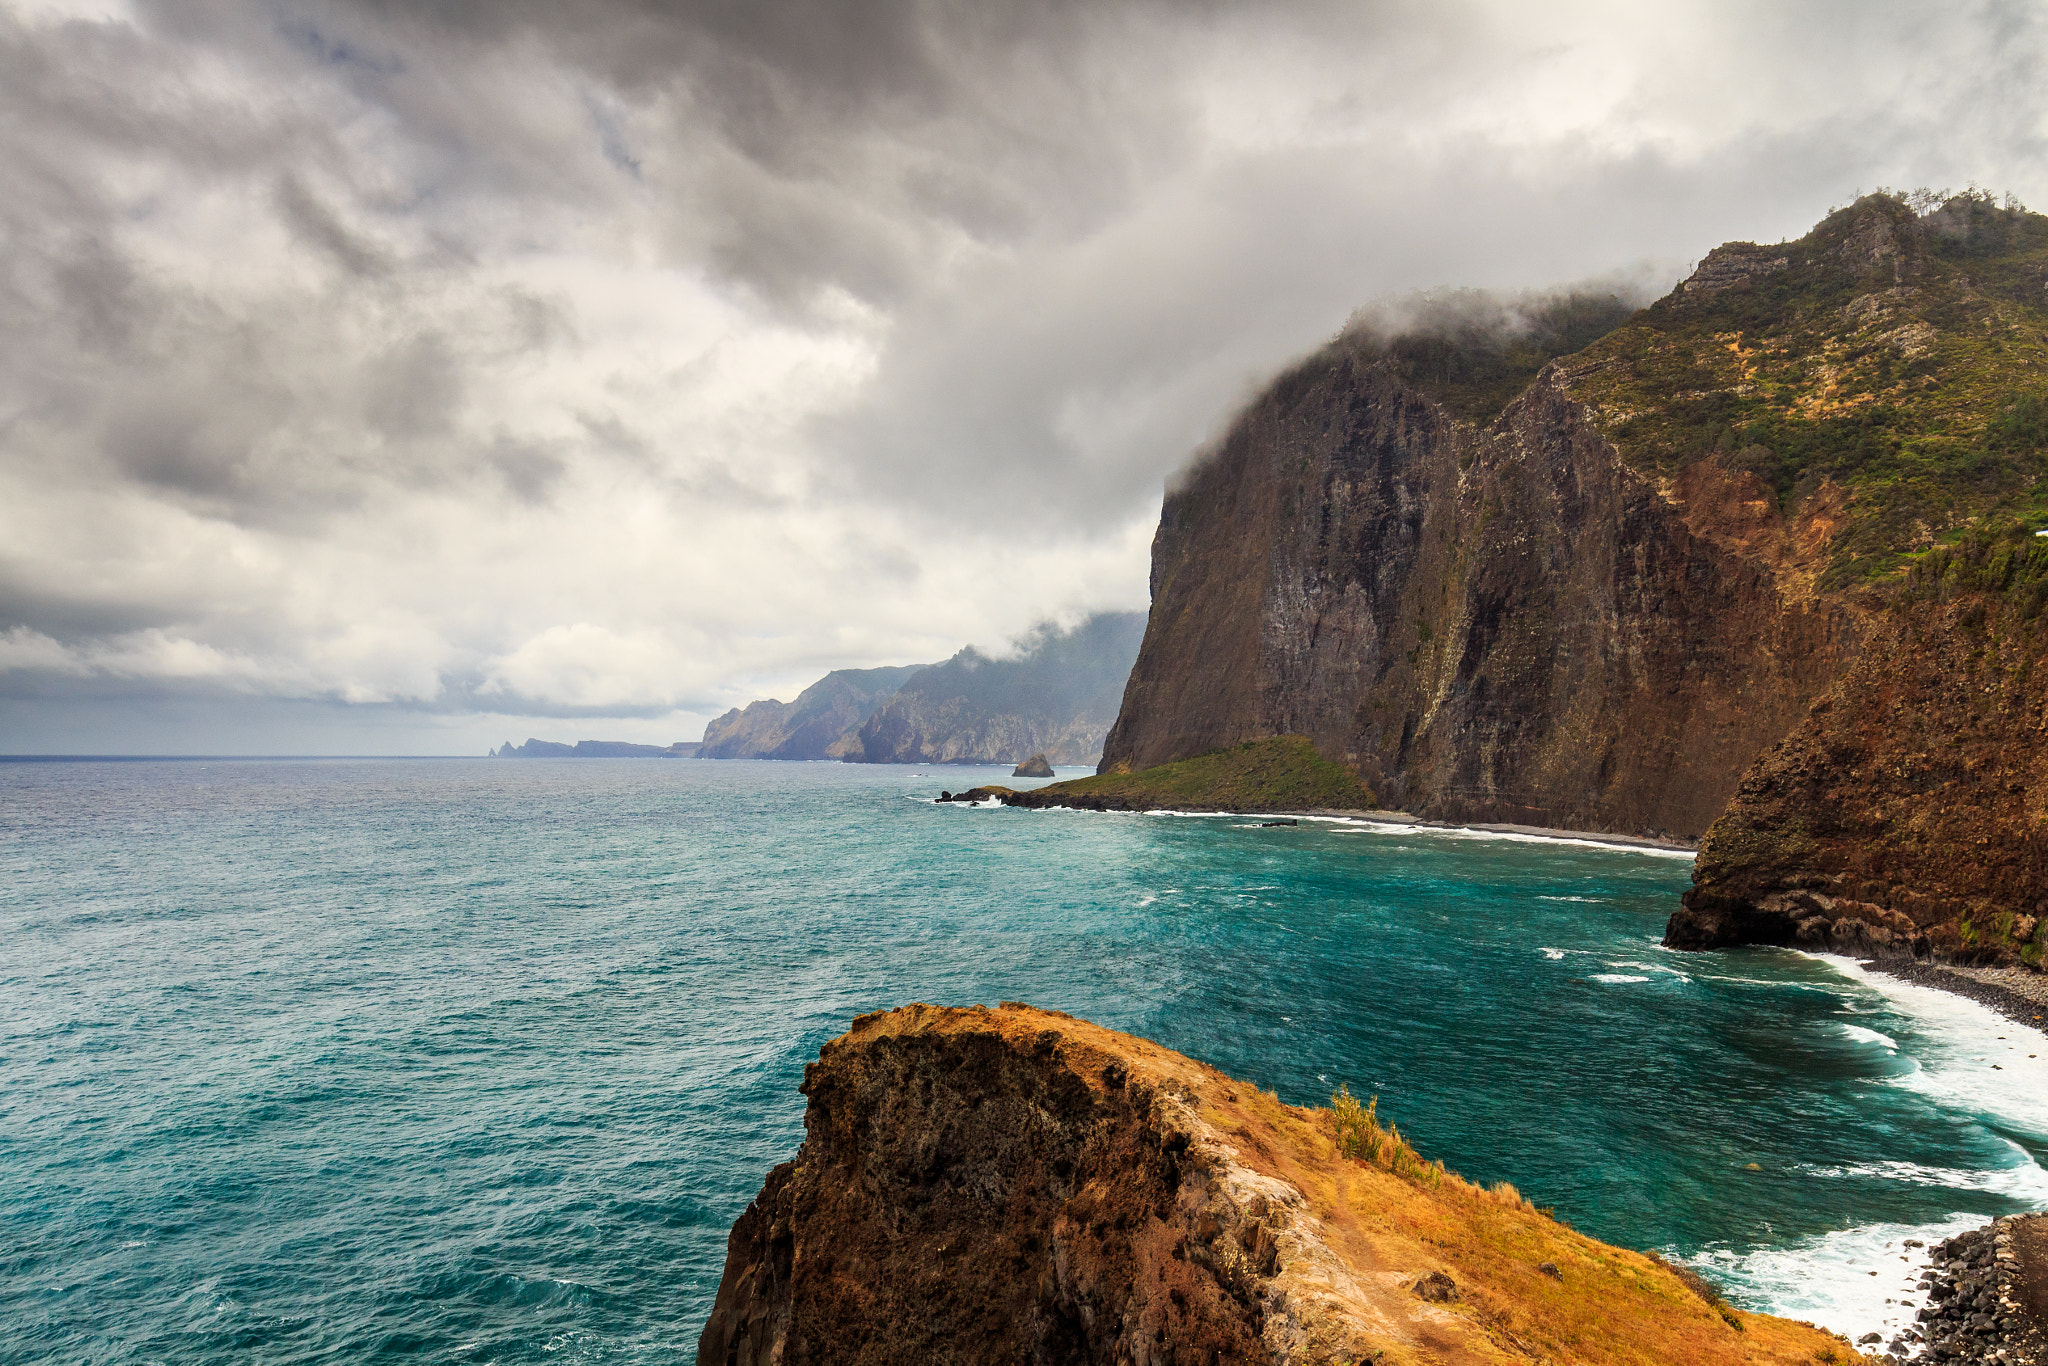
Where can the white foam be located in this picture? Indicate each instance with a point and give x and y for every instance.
(1617, 977)
(1827, 1279)
(2024, 1181)
(1970, 1057)
(1595, 900)
(1862, 1035)
(1367, 825)
(1652, 967)
(1553, 953)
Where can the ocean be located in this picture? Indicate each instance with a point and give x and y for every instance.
(476, 1061)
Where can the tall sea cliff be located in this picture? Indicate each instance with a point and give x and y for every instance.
(1753, 563)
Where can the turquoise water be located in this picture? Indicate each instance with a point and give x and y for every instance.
(459, 1061)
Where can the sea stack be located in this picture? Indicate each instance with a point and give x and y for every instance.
(1034, 767)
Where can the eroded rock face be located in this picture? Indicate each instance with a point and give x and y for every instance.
(1018, 1186)
(1905, 815)
(1508, 624)
(992, 1194)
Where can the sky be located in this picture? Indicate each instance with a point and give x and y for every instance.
(405, 376)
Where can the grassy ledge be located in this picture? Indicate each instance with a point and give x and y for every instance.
(1281, 773)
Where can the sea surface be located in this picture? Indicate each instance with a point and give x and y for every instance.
(476, 1061)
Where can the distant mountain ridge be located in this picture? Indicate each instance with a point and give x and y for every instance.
(1056, 695)
(820, 724)
(594, 749)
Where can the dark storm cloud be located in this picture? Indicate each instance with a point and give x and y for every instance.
(618, 356)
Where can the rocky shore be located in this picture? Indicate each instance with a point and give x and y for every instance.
(1987, 1299)
(2019, 994)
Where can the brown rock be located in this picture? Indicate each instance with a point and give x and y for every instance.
(1504, 624)
(1015, 1185)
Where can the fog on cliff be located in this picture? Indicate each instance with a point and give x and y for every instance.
(388, 377)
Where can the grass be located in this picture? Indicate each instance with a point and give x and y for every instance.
(1280, 773)
(1605, 1304)
(1916, 384)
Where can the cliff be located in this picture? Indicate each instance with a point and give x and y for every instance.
(1500, 624)
(1908, 813)
(1055, 696)
(1699, 572)
(820, 724)
(1015, 1185)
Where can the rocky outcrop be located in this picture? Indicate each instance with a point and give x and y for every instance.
(820, 724)
(1055, 696)
(1015, 1185)
(1508, 624)
(1738, 265)
(1034, 767)
(1907, 814)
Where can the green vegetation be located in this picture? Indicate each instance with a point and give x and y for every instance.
(1282, 773)
(1472, 354)
(1896, 354)
(1996, 555)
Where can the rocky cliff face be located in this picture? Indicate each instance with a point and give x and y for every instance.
(1019, 1186)
(1056, 696)
(1693, 539)
(1908, 813)
(820, 724)
(1501, 624)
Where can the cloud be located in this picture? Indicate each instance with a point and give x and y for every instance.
(638, 358)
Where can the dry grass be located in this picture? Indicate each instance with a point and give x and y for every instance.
(1606, 1304)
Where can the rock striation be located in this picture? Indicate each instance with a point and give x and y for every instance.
(1015, 1185)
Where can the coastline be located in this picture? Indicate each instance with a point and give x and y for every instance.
(1542, 832)
(2016, 993)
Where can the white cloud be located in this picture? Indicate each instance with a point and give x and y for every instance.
(640, 362)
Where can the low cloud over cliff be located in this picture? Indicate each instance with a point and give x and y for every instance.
(374, 371)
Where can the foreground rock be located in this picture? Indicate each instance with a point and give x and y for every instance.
(1988, 1298)
(1015, 1185)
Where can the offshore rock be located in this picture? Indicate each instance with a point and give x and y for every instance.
(1015, 1185)
(1034, 767)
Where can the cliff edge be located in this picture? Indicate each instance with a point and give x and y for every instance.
(1015, 1185)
